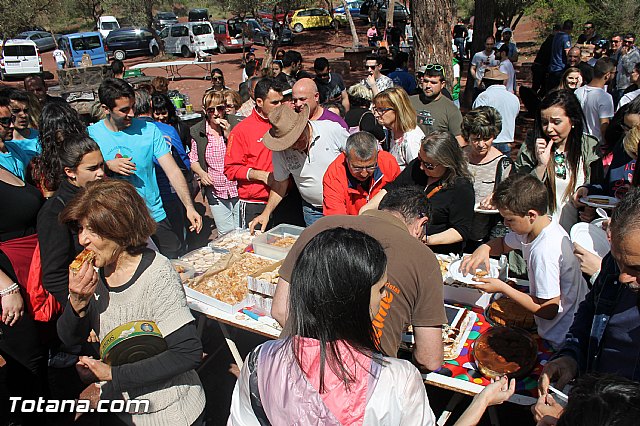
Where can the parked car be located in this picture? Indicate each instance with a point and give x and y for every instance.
(106, 24)
(188, 38)
(162, 19)
(304, 19)
(280, 15)
(230, 35)
(127, 42)
(77, 44)
(262, 31)
(42, 39)
(197, 15)
(353, 5)
(20, 57)
(400, 13)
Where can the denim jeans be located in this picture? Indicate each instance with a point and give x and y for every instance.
(311, 213)
(60, 65)
(226, 214)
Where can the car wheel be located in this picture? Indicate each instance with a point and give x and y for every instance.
(298, 28)
(185, 52)
(221, 48)
(119, 55)
(155, 51)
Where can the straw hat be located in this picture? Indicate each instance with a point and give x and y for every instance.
(286, 127)
(494, 73)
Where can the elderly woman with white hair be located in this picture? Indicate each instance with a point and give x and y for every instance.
(359, 117)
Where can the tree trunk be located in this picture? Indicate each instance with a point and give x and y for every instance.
(482, 28)
(432, 34)
(389, 20)
(352, 26)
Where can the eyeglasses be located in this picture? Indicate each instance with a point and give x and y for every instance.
(218, 78)
(428, 166)
(371, 67)
(629, 41)
(616, 41)
(219, 108)
(359, 169)
(587, 28)
(381, 111)
(437, 67)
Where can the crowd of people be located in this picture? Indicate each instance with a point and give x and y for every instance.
(383, 174)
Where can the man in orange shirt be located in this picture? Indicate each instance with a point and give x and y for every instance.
(357, 175)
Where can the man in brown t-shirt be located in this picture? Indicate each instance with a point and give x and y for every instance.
(415, 291)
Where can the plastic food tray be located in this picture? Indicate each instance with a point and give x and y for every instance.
(263, 244)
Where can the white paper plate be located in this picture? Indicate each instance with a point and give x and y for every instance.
(591, 237)
(477, 209)
(457, 275)
(612, 201)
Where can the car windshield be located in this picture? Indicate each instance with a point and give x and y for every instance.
(166, 16)
(201, 29)
(21, 37)
(86, 43)
(19, 50)
(110, 25)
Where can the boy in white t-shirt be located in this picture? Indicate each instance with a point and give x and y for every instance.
(556, 285)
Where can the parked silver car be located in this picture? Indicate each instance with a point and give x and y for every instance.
(42, 39)
(164, 19)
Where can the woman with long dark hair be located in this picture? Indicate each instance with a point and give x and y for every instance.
(58, 121)
(331, 360)
(164, 111)
(77, 161)
(560, 154)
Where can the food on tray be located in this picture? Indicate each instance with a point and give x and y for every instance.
(505, 351)
(270, 276)
(236, 240)
(202, 259)
(179, 268)
(84, 256)
(444, 266)
(452, 335)
(283, 242)
(598, 200)
(230, 285)
(506, 311)
(480, 273)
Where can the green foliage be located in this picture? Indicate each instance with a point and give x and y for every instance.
(15, 16)
(609, 16)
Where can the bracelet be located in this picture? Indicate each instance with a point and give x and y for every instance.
(9, 290)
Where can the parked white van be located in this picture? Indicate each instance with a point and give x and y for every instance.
(106, 24)
(189, 38)
(20, 57)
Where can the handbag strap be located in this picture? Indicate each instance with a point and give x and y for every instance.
(254, 390)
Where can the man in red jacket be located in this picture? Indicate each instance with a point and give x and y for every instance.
(357, 175)
(248, 161)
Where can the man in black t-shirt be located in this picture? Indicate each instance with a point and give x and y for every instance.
(589, 36)
(330, 84)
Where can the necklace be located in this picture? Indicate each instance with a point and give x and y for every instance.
(560, 165)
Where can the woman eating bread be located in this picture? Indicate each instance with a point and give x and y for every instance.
(124, 283)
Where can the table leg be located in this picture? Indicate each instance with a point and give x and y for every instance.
(451, 405)
(232, 345)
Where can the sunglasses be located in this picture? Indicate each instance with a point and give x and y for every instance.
(219, 78)
(371, 67)
(426, 165)
(6, 121)
(629, 41)
(560, 166)
(381, 111)
(219, 108)
(587, 28)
